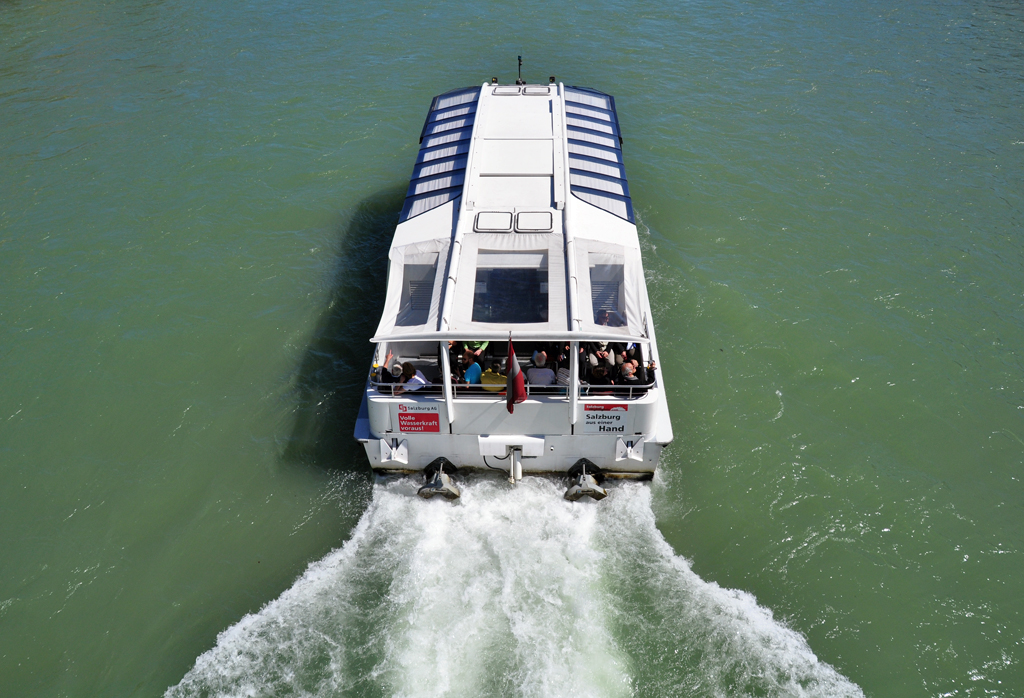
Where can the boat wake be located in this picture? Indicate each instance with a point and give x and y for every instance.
(509, 592)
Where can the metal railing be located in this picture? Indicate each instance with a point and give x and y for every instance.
(498, 391)
(628, 392)
(432, 389)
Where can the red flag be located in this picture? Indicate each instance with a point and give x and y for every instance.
(515, 391)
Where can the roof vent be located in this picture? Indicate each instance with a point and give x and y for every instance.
(533, 222)
(493, 222)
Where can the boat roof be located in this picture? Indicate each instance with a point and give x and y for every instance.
(518, 219)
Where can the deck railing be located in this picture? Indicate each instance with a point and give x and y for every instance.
(389, 389)
(463, 390)
(626, 392)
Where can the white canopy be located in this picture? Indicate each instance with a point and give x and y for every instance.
(415, 279)
(514, 282)
(510, 281)
(608, 278)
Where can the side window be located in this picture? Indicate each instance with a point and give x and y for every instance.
(417, 289)
(607, 276)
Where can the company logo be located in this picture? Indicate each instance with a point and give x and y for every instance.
(606, 408)
(417, 408)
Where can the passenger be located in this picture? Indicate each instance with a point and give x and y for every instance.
(393, 375)
(476, 347)
(602, 353)
(609, 319)
(558, 361)
(599, 377)
(558, 354)
(411, 379)
(381, 370)
(628, 379)
(492, 379)
(470, 368)
(645, 374)
(625, 352)
(619, 352)
(628, 372)
(611, 353)
(539, 373)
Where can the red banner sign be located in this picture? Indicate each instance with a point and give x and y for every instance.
(418, 418)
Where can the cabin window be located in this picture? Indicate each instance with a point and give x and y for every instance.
(417, 289)
(511, 287)
(607, 276)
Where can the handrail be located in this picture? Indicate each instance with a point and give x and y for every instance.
(446, 371)
(463, 390)
(630, 392)
(388, 389)
(584, 391)
(474, 391)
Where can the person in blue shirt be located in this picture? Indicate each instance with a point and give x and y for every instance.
(471, 368)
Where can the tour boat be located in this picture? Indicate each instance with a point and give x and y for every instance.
(517, 246)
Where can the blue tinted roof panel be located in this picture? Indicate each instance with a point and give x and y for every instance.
(440, 169)
(596, 172)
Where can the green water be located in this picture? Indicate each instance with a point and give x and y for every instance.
(195, 206)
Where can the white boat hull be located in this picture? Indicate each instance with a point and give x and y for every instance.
(518, 227)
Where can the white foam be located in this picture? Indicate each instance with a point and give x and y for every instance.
(698, 638)
(510, 591)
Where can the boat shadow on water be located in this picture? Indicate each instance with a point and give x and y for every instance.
(328, 386)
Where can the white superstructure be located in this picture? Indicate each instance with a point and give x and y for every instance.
(518, 219)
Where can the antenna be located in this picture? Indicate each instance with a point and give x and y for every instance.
(519, 81)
